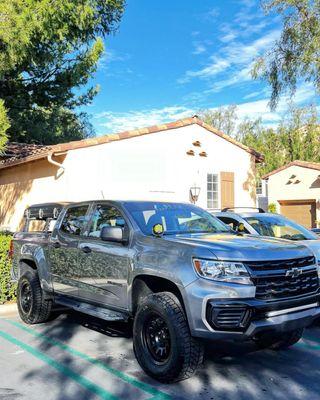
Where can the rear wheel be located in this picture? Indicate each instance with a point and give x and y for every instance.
(279, 341)
(32, 307)
(162, 341)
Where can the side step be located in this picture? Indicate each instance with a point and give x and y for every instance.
(90, 309)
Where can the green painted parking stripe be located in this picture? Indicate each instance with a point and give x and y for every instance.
(312, 338)
(157, 394)
(310, 346)
(86, 383)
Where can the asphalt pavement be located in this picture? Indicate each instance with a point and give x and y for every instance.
(75, 357)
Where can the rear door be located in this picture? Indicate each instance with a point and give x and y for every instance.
(64, 252)
(104, 266)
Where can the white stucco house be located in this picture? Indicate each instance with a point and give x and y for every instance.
(166, 162)
(295, 190)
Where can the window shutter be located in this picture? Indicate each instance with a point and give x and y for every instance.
(227, 189)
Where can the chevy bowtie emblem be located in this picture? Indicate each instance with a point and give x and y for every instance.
(294, 272)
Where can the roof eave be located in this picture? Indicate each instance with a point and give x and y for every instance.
(64, 147)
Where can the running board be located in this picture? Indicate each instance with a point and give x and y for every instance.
(95, 311)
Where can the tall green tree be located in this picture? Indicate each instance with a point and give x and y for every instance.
(295, 56)
(297, 137)
(4, 125)
(300, 134)
(222, 118)
(49, 50)
(266, 141)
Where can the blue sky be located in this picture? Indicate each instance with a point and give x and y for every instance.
(170, 59)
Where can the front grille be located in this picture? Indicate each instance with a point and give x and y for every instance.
(273, 283)
(281, 286)
(280, 264)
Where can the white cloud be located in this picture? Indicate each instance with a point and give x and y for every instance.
(254, 94)
(260, 108)
(113, 122)
(110, 56)
(199, 49)
(234, 61)
(121, 121)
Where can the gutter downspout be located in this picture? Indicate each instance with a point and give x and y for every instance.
(57, 164)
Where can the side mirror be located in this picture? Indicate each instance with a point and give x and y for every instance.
(113, 234)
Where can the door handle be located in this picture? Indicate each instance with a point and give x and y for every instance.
(86, 249)
(56, 245)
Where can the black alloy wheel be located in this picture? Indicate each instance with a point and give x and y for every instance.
(156, 338)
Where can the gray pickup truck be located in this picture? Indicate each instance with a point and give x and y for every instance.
(178, 272)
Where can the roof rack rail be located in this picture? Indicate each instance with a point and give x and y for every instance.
(261, 211)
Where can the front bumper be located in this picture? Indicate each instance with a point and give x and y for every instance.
(257, 316)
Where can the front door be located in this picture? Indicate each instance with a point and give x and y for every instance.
(104, 266)
(64, 252)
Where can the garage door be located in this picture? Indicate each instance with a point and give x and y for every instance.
(303, 212)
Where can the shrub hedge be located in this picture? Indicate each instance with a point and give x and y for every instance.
(7, 288)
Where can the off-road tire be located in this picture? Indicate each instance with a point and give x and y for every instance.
(280, 341)
(40, 309)
(186, 353)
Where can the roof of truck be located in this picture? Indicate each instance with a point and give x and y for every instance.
(61, 204)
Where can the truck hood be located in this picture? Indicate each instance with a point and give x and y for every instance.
(226, 246)
(313, 245)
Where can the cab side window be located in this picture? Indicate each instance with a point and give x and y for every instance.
(74, 220)
(230, 221)
(105, 215)
(234, 224)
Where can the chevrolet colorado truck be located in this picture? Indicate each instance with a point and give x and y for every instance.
(178, 272)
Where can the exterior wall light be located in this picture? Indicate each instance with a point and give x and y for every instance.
(194, 194)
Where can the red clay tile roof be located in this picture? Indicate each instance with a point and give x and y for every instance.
(63, 147)
(17, 153)
(297, 163)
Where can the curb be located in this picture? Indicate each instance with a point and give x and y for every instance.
(6, 309)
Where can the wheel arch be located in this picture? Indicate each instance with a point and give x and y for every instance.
(143, 285)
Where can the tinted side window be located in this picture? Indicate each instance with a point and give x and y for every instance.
(74, 220)
(105, 216)
(233, 223)
(229, 221)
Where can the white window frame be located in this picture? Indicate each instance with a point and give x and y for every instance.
(217, 175)
(259, 185)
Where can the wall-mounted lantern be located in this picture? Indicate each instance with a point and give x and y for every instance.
(194, 194)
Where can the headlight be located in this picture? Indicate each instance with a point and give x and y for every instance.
(225, 271)
(318, 268)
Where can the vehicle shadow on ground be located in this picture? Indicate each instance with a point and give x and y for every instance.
(231, 371)
(65, 327)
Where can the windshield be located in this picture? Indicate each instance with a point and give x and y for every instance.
(175, 218)
(279, 227)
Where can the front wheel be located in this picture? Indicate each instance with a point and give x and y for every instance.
(162, 341)
(32, 307)
(279, 341)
